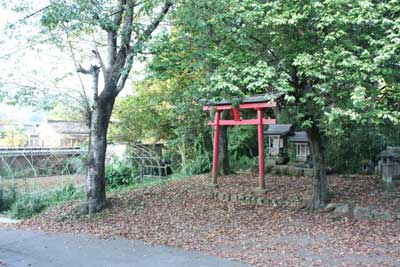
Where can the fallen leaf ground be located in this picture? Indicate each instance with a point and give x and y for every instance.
(180, 213)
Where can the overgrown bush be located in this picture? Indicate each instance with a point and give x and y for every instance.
(7, 197)
(67, 193)
(242, 147)
(119, 173)
(28, 204)
(198, 165)
(346, 152)
(244, 163)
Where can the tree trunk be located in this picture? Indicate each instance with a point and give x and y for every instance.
(95, 180)
(319, 195)
(224, 167)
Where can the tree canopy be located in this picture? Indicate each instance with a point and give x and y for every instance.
(337, 61)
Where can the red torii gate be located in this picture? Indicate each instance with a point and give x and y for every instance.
(258, 103)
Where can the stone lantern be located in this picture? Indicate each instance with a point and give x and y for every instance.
(390, 164)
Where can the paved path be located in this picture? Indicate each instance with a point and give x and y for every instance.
(25, 248)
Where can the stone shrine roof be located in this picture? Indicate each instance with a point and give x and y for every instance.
(279, 129)
(299, 137)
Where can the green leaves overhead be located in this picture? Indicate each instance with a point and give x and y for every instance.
(334, 59)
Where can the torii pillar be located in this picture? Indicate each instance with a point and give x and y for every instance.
(257, 103)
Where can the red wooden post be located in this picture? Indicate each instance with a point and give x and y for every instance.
(261, 179)
(216, 147)
(235, 114)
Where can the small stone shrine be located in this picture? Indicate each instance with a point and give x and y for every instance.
(390, 164)
(303, 152)
(278, 136)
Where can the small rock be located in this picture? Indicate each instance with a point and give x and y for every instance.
(308, 172)
(362, 214)
(341, 209)
(398, 215)
(381, 216)
(234, 198)
(330, 207)
(227, 197)
(267, 201)
(365, 214)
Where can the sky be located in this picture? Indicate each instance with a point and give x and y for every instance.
(9, 45)
(21, 115)
(23, 63)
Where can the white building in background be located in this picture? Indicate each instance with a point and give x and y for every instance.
(60, 133)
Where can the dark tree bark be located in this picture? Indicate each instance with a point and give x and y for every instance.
(319, 195)
(224, 167)
(95, 180)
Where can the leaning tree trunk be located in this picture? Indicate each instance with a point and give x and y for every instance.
(95, 180)
(319, 195)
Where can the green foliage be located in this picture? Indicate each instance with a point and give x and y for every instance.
(200, 164)
(144, 115)
(67, 193)
(167, 111)
(7, 197)
(119, 174)
(335, 60)
(28, 204)
(241, 142)
(244, 163)
(346, 152)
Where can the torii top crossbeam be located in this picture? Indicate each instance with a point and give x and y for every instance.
(259, 103)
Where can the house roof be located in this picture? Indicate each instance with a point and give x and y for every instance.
(299, 137)
(69, 127)
(250, 99)
(279, 129)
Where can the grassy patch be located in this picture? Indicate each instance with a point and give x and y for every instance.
(146, 182)
(24, 204)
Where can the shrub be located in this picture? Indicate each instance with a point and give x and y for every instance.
(67, 193)
(119, 173)
(200, 164)
(28, 205)
(7, 197)
(244, 163)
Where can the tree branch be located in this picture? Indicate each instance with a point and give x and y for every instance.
(97, 54)
(147, 33)
(78, 68)
(150, 29)
(112, 35)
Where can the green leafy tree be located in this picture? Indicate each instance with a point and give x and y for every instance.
(144, 115)
(336, 61)
(120, 31)
(164, 110)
